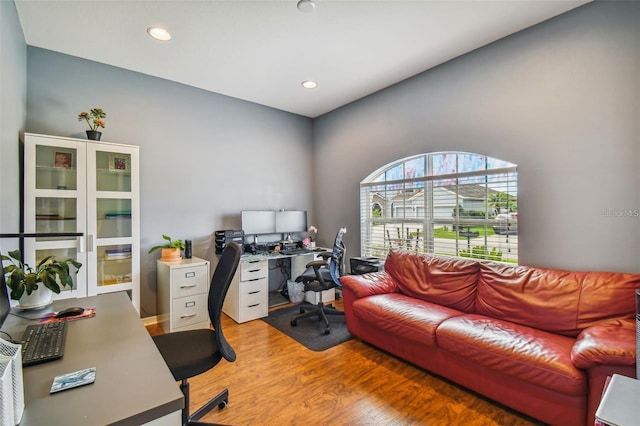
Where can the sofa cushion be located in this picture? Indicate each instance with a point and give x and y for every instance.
(403, 316)
(445, 281)
(559, 301)
(542, 298)
(534, 356)
(606, 295)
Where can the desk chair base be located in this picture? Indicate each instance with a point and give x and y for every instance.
(221, 401)
(321, 311)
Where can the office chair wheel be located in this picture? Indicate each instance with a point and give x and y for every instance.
(294, 323)
(327, 331)
(222, 405)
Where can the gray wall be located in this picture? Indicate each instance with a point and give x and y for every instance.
(13, 97)
(204, 157)
(560, 99)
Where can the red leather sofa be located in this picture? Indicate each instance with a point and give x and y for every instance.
(540, 341)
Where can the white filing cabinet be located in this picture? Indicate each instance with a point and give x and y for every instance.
(248, 295)
(183, 290)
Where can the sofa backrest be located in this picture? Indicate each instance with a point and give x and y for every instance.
(446, 281)
(563, 302)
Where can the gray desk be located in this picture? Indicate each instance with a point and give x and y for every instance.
(133, 384)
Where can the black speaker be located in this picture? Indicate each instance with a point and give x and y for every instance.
(188, 250)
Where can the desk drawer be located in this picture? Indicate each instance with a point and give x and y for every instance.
(254, 298)
(253, 270)
(189, 310)
(253, 286)
(248, 313)
(189, 281)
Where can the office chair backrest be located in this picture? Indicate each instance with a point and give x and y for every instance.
(336, 265)
(220, 283)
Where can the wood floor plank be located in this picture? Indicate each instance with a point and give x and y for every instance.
(277, 381)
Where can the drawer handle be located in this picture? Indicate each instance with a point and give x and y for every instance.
(188, 286)
(189, 274)
(254, 292)
(253, 306)
(254, 270)
(187, 316)
(254, 279)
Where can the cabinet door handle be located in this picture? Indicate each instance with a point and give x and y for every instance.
(187, 286)
(187, 316)
(80, 244)
(90, 242)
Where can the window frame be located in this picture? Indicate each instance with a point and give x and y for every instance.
(415, 199)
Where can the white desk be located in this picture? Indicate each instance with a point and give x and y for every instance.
(248, 295)
(133, 384)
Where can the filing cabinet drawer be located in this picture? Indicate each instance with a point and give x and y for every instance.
(189, 281)
(253, 270)
(190, 310)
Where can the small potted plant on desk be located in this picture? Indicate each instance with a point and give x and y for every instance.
(171, 251)
(23, 280)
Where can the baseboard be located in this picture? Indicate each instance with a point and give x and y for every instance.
(150, 320)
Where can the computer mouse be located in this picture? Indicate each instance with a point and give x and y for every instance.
(69, 312)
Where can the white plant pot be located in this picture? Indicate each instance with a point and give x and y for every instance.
(38, 299)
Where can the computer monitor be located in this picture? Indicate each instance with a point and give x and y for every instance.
(289, 221)
(255, 222)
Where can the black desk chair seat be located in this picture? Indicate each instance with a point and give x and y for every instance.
(192, 352)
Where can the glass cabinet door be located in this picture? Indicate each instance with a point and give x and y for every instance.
(112, 210)
(54, 203)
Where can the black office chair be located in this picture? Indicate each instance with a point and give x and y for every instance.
(320, 276)
(192, 352)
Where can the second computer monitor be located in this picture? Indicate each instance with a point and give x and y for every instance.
(289, 221)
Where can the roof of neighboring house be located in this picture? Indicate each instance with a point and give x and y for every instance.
(471, 192)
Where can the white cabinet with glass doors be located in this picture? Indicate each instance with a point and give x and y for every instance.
(91, 187)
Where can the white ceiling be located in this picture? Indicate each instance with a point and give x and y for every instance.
(262, 50)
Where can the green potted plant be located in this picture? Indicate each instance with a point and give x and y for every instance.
(23, 281)
(171, 251)
(94, 119)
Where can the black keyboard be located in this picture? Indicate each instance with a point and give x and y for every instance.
(43, 342)
(295, 251)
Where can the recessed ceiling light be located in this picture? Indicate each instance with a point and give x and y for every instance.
(309, 84)
(159, 33)
(306, 6)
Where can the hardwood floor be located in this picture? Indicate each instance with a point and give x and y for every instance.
(277, 381)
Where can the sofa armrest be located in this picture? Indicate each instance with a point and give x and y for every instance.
(369, 284)
(608, 343)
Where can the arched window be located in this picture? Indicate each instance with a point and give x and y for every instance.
(447, 203)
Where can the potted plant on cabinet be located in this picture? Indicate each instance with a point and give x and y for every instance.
(24, 282)
(171, 251)
(94, 119)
